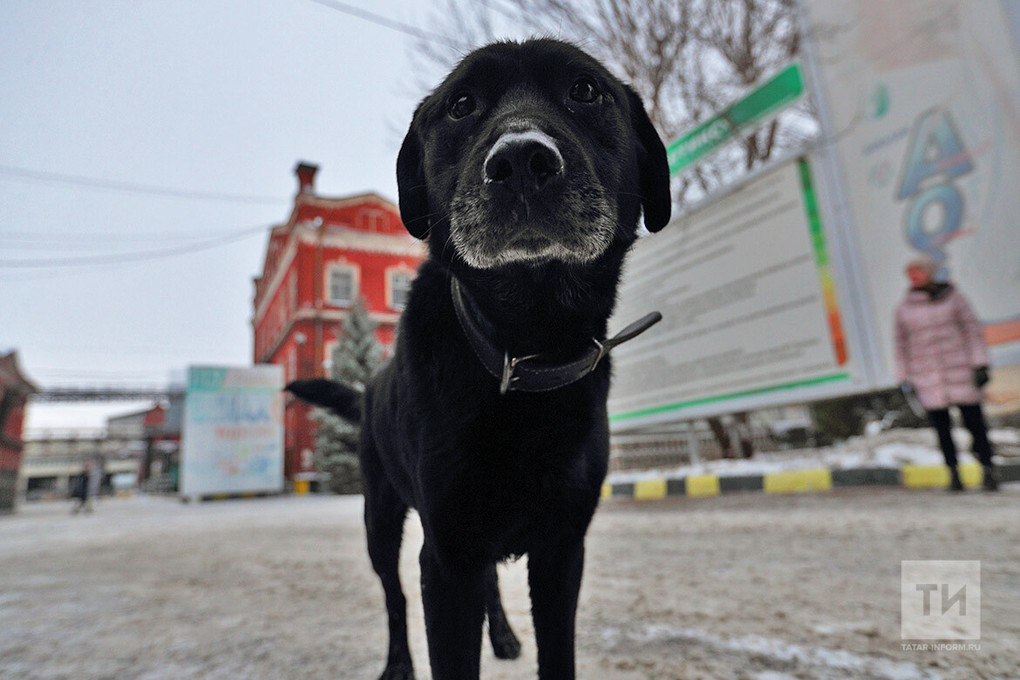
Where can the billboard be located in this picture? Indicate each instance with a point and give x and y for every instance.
(754, 311)
(783, 290)
(232, 440)
(920, 102)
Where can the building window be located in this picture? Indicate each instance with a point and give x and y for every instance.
(327, 362)
(343, 285)
(373, 220)
(292, 290)
(400, 287)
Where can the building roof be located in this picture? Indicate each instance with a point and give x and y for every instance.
(337, 221)
(352, 199)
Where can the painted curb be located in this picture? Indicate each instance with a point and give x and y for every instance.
(803, 481)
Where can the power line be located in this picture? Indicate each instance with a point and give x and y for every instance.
(78, 240)
(385, 22)
(28, 175)
(140, 256)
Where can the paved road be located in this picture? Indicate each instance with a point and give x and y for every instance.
(744, 587)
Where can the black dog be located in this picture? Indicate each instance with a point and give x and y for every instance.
(527, 169)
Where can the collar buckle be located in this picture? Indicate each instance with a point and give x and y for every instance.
(509, 366)
(603, 349)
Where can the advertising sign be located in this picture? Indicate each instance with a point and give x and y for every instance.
(752, 314)
(233, 431)
(923, 109)
(784, 289)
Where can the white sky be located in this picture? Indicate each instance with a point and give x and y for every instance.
(222, 97)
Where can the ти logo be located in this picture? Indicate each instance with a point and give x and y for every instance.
(940, 600)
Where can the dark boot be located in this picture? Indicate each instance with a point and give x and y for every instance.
(990, 480)
(955, 484)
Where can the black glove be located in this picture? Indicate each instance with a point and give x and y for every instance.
(981, 376)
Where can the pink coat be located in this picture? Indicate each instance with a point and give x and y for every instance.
(939, 343)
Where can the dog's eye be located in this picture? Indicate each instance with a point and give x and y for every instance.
(584, 90)
(461, 105)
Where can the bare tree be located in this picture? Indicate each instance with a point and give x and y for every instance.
(754, 38)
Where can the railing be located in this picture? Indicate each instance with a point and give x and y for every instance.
(158, 484)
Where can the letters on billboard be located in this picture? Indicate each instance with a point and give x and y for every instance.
(924, 114)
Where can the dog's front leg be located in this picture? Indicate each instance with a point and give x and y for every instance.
(454, 601)
(554, 575)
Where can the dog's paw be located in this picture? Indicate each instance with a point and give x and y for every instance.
(398, 671)
(505, 644)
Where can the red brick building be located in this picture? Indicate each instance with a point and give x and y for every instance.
(14, 391)
(329, 253)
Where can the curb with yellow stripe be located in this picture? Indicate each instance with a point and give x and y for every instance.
(800, 481)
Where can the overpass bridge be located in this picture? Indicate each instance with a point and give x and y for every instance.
(52, 457)
(68, 394)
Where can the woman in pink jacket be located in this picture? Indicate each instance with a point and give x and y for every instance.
(942, 356)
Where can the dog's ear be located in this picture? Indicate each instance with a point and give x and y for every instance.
(413, 195)
(653, 167)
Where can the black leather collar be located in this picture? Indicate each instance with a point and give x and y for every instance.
(531, 373)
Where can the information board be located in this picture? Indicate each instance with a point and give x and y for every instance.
(752, 314)
(232, 441)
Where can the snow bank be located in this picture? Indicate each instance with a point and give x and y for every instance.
(890, 449)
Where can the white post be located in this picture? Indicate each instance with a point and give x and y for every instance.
(692, 443)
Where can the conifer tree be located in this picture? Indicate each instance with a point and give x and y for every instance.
(354, 360)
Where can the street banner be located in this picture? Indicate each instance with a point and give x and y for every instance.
(921, 103)
(232, 441)
(755, 108)
(753, 314)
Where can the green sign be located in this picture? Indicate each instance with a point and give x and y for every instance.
(777, 93)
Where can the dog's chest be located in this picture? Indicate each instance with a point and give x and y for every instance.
(510, 477)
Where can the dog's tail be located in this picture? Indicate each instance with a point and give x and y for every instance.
(341, 400)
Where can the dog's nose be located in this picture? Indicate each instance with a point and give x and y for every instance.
(524, 162)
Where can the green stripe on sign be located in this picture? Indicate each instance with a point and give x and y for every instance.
(723, 397)
(813, 217)
(774, 95)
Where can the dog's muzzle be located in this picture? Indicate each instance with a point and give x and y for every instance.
(533, 200)
(526, 162)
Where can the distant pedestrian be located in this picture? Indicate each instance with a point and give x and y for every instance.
(86, 486)
(941, 355)
(80, 492)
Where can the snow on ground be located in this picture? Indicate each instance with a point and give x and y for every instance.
(889, 449)
(823, 660)
(738, 587)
